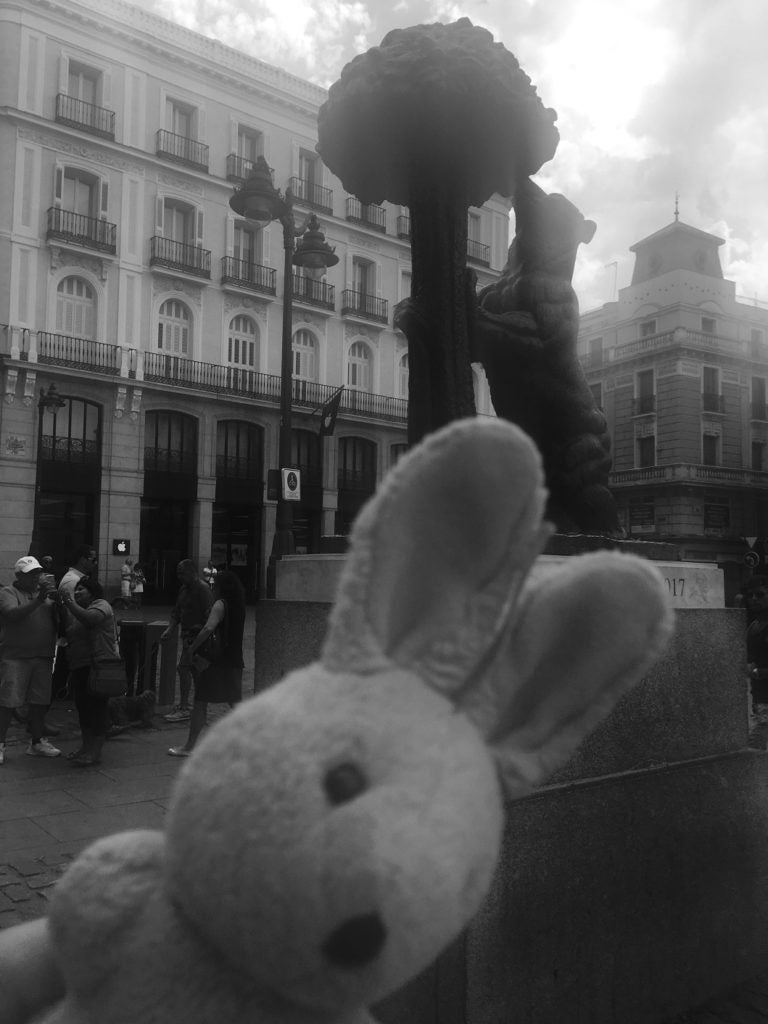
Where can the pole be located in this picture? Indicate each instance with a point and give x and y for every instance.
(283, 542)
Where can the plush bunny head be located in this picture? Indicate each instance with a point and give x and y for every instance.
(330, 836)
(355, 809)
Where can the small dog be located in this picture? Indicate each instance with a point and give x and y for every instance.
(131, 712)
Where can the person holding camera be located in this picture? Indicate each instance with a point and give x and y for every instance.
(29, 620)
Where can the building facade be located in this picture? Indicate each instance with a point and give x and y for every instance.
(680, 367)
(130, 288)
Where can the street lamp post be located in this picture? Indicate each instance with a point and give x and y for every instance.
(50, 401)
(258, 200)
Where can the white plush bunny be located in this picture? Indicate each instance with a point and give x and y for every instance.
(332, 835)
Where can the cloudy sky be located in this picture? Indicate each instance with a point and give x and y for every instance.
(654, 98)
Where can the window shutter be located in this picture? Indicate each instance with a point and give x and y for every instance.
(106, 89)
(201, 124)
(233, 130)
(58, 186)
(159, 212)
(63, 73)
(104, 200)
(229, 235)
(199, 240)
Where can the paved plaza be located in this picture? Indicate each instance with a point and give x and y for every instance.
(51, 810)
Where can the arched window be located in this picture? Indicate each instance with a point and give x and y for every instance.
(170, 443)
(359, 367)
(243, 343)
(239, 447)
(304, 356)
(174, 328)
(76, 309)
(402, 376)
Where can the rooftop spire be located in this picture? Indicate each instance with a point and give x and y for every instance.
(677, 211)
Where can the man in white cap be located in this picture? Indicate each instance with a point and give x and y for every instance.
(28, 618)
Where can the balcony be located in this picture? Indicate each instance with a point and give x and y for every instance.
(759, 411)
(690, 473)
(370, 214)
(182, 150)
(178, 256)
(243, 274)
(369, 307)
(403, 226)
(78, 353)
(478, 253)
(166, 369)
(85, 116)
(238, 168)
(712, 402)
(643, 405)
(309, 194)
(77, 229)
(313, 293)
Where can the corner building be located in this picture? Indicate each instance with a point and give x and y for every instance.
(680, 365)
(129, 286)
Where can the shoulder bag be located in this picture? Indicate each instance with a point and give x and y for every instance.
(107, 677)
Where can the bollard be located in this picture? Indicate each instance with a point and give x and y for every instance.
(166, 689)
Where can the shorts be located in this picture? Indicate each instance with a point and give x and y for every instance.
(25, 681)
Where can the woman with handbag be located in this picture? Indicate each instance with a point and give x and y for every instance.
(217, 652)
(91, 638)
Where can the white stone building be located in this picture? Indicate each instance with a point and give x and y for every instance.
(129, 285)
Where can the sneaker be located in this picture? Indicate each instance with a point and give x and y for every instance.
(43, 749)
(2, 753)
(177, 715)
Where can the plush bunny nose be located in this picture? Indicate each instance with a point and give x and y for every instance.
(356, 942)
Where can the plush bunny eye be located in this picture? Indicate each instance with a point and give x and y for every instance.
(344, 782)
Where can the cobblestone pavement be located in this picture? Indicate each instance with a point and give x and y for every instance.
(50, 810)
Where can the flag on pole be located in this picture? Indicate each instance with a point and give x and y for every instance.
(329, 413)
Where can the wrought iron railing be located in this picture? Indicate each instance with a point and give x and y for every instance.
(90, 232)
(310, 194)
(238, 168)
(189, 259)
(371, 307)
(248, 275)
(315, 293)
(182, 149)
(85, 116)
(81, 353)
(478, 252)
(370, 214)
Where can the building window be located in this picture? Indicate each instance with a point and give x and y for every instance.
(758, 399)
(406, 279)
(239, 449)
(708, 325)
(756, 336)
(304, 356)
(359, 367)
(363, 276)
(758, 456)
(243, 343)
(717, 516)
(170, 443)
(75, 309)
(247, 245)
(174, 330)
(710, 388)
(178, 222)
(597, 394)
(180, 118)
(72, 435)
(83, 83)
(595, 351)
(647, 328)
(710, 449)
(79, 192)
(646, 451)
(645, 400)
(250, 145)
(402, 376)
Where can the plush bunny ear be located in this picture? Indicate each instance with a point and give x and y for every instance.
(585, 634)
(438, 556)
